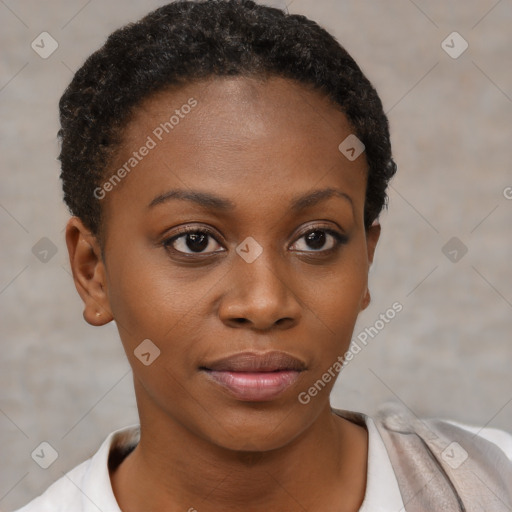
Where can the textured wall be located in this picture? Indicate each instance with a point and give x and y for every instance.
(447, 353)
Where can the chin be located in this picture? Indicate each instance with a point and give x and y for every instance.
(256, 429)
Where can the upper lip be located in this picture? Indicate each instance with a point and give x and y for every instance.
(256, 362)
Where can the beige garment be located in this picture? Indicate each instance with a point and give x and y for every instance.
(441, 467)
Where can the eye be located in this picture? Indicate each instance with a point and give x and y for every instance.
(191, 241)
(316, 238)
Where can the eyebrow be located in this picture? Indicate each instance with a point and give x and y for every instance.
(210, 201)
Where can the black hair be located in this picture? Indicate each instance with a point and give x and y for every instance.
(186, 41)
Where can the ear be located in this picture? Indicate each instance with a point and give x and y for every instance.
(88, 272)
(372, 237)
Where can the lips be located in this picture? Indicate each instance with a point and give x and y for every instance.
(254, 377)
(254, 362)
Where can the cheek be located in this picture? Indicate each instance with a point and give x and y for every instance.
(144, 299)
(149, 305)
(154, 299)
(334, 304)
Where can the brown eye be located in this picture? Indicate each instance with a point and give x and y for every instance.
(192, 241)
(316, 239)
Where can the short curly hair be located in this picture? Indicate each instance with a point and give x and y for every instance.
(186, 41)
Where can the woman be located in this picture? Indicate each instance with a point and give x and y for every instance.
(225, 165)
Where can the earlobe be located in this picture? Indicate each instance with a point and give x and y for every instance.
(88, 272)
(366, 299)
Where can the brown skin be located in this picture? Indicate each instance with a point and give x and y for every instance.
(259, 144)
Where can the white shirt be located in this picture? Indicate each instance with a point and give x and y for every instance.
(87, 487)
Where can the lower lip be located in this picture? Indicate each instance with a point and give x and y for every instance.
(255, 386)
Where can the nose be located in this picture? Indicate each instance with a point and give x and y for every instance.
(261, 296)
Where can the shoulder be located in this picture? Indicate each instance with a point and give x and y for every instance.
(500, 438)
(61, 494)
(87, 487)
(395, 417)
(467, 464)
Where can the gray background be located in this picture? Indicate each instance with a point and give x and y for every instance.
(447, 354)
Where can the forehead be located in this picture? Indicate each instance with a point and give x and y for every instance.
(243, 136)
(239, 111)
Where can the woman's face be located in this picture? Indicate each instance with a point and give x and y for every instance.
(277, 257)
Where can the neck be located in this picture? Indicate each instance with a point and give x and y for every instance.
(174, 469)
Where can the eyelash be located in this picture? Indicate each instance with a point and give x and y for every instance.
(167, 243)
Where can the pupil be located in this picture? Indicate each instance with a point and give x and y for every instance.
(197, 241)
(316, 239)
